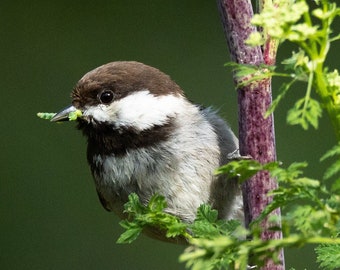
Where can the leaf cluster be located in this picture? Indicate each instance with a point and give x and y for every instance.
(220, 244)
(151, 215)
(312, 217)
(312, 32)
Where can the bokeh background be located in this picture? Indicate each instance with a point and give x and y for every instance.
(50, 217)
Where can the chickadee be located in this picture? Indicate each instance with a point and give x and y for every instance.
(144, 136)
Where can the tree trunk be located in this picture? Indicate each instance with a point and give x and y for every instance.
(256, 133)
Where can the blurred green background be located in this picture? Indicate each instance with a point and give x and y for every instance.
(50, 215)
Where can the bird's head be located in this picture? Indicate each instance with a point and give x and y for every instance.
(125, 105)
(127, 95)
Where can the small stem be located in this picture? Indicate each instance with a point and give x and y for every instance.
(333, 110)
(334, 38)
(306, 47)
(318, 57)
(308, 92)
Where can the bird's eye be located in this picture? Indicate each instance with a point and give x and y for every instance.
(106, 96)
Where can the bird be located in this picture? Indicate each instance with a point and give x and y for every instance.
(144, 136)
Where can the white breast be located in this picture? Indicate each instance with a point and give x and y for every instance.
(180, 168)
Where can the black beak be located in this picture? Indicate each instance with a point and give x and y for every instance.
(64, 115)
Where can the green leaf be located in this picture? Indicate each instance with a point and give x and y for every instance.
(72, 116)
(301, 32)
(332, 170)
(45, 115)
(205, 225)
(278, 21)
(333, 86)
(241, 169)
(301, 217)
(247, 74)
(177, 228)
(299, 64)
(328, 256)
(131, 233)
(304, 113)
(336, 186)
(335, 151)
(133, 206)
(157, 204)
(335, 167)
(307, 182)
(149, 216)
(205, 213)
(286, 175)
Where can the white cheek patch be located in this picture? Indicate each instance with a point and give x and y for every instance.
(100, 113)
(140, 110)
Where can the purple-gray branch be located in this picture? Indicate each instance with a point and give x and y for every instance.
(256, 133)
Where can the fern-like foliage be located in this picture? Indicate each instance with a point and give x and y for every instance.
(328, 256)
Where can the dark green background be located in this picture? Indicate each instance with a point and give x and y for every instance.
(50, 215)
